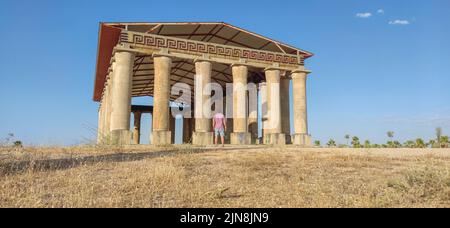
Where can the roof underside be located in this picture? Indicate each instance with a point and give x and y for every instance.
(183, 71)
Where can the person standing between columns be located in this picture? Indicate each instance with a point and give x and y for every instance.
(219, 124)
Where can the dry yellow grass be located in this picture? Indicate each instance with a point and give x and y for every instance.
(230, 177)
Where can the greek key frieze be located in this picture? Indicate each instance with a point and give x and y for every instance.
(207, 48)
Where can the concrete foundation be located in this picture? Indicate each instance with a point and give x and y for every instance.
(161, 138)
(241, 138)
(120, 137)
(302, 140)
(203, 138)
(275, 139)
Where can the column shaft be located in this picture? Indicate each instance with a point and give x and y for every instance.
(161, 131)
(172, 128)
(274, 107)
(121, 102)
(300, 109)
(285, 109)
(240, 106)
(273, 100)
(137, 128)
(240, 74)
(301, 136)
(202, 104)
(264, 110)
(187, 130)
(202, 109)
(100, 125)
(108, 103)
(253, 114)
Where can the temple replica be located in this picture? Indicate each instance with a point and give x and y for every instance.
(175, 62)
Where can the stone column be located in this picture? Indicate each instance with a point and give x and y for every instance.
(301, 136)
(228, 104)
(285, 109)
(106, 102)
(203, 134)
(137, 128)
(253, 115)
(121, 100)
(240, 135)
(275, 136)
(264, 111)
(161, 133)
(150, 139)
(187, 130)
(172, 128)
(100, 124)
(109, 98)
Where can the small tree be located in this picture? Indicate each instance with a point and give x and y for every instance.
(439, 135)
(355, 142)
(367, 144)
(317, 143)
(18, 143)
(432, 143)
(409, 144)
(331, 143)
(420, 143)
(390, 135)
(444, 142)
(347, 137)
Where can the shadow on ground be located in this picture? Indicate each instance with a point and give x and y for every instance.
(12, 168)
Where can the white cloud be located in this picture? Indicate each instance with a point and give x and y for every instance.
(399, 22)
(363, 15)
(380, 11)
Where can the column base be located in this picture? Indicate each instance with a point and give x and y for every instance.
(120, 137)
(136, 138)
(288, 139)
(161, 138)
(304, 140)
(241, 138)
(275, 139)
(203, 138)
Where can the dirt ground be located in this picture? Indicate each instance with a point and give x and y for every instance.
(185, 176)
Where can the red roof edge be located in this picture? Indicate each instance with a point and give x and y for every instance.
(107, 39)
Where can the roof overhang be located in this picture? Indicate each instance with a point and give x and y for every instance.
(213, 32)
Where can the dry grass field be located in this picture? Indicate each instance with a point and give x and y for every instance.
(184, 176)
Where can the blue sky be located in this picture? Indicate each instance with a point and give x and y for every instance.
(374, 70)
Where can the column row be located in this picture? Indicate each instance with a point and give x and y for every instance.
(115, 108)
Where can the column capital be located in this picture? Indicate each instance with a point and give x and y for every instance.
(272, 68)
(161, 54)
(204, 58)
(240, 65)
(124, 48)
(299, 71)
